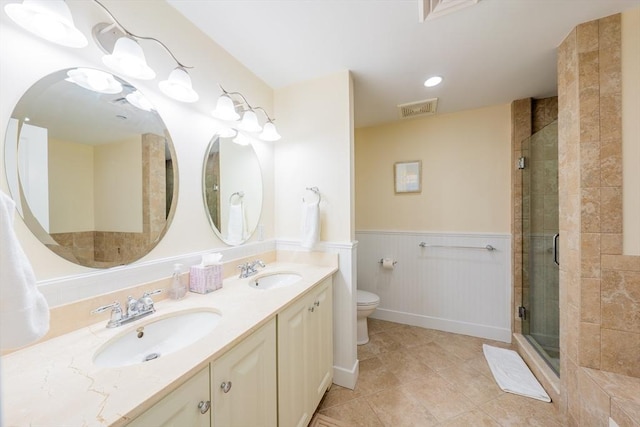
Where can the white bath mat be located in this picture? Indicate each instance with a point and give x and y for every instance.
(512, 374)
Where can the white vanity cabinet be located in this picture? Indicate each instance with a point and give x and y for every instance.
(188, 405)
(244, 384)
(305, 355)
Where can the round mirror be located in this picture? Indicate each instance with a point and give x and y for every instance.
(232, 189)
(91, 167)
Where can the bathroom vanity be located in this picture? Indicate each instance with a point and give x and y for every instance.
(267, 361)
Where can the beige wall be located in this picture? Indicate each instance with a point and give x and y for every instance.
(71, 187)
(315, 151)
(118, 186)
(465, 173)
(190, 125)
(631, 131)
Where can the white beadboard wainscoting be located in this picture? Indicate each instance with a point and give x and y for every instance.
(453, 287)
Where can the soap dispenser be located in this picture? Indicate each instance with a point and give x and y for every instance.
(178, 289)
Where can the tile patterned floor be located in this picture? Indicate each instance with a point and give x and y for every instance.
(411, 376)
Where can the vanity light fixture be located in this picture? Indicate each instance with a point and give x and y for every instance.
(226, 110)
(242, 139)
(49, 19)
(433, 81)
(94, 80)
(138, 100)
(269, 132)
(227, 132)
(126, 56)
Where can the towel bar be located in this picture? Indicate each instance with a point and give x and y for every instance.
(487, 248)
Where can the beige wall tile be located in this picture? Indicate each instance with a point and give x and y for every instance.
(623, 416)
(611, 209)
(587, 37)
(620, 352)
(590, 301)
(573, 394)
(589, 345)
(621, 262)
(590, 255)
(590, 164)
(594, 402)
(611, 117)
(590, 210)
(611, 163)
(610, 244)
(621, 300)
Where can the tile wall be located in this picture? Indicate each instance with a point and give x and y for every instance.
(599, 287)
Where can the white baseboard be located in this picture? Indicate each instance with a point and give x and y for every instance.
(346, 377)
(446, 325)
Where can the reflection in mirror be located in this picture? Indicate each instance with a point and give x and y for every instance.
(232, 189)
(91, 167)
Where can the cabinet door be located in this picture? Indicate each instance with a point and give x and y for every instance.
(293, 407)
(243, 386)
(182, 407)
(320, 343)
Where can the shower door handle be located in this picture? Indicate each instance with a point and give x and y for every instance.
(555, 249)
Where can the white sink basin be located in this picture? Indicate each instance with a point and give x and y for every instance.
(155, 339)
(274, 280)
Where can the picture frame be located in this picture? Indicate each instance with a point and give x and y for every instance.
(407, 176)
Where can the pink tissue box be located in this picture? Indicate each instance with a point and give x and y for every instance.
(205, 279)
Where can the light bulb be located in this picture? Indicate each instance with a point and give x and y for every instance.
(249, 122)
(128, 59)
(225, 110)
(178, 86)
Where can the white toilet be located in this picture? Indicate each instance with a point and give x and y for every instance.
(367, 303)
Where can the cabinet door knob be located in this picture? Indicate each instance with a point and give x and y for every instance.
(204, 406)
(225, 386)
(317, 303)
(311, 309)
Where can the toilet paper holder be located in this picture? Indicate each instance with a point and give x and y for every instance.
(381, 261)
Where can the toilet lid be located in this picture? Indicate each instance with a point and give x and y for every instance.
(367, 298)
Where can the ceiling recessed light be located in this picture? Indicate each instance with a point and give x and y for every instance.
(433, 81)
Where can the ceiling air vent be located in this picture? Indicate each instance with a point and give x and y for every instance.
(421, 108)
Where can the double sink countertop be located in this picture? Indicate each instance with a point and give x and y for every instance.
(56, 382)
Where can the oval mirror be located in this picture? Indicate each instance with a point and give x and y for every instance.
(232, 189)
(91, 167)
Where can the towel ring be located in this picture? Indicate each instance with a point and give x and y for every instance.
(240, 195)
(313, 190)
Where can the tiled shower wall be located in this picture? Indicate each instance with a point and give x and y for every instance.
(599, 287)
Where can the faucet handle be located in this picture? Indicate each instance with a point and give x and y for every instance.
(116, 313)
(149, 293)
(115, 305)
(145, 302)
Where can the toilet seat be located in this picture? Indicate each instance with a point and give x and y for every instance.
(366, 299)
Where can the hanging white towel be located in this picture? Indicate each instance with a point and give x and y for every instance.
(24, 312)
(310, 225)
(237, 224)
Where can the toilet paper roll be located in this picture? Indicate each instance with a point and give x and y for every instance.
(388, 263)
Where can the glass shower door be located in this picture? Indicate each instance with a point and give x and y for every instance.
(540, 290)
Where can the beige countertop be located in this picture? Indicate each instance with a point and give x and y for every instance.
(56, 383)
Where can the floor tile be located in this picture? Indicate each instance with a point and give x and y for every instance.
(412, 376)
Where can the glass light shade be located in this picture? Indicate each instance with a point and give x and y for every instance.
(140, 101)
(242, 139)
(433, 81)
(227, 132)
(269, 133)
(49, 19)
(178, 86)
(94, 80)
(225, 110)
(128, 58)
(249, 122)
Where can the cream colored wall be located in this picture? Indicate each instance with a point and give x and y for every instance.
(465, 173)
(118, 186)
(190, 125)
(71, 190)
(315, 151)
(631, 131)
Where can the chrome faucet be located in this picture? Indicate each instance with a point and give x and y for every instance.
(135, 309)
(248, 269)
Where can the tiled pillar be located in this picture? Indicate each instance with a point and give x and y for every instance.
(599, 297)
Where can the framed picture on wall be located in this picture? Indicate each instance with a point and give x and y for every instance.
(408, 176)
